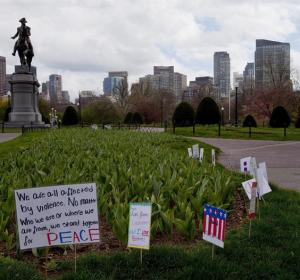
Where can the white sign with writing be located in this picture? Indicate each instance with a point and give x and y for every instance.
(201, 154)
(245, 164)
(190, 152)
(247, 186)
(213, 157)
(263, 167)
(262, 183)
(253, 167)
(139, 225)
(195, 151)
(57, 215)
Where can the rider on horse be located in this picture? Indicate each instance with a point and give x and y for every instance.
(23, 41)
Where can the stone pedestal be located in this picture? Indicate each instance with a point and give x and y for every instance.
(24, 98)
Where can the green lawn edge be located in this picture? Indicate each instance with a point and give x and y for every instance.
(272, 252)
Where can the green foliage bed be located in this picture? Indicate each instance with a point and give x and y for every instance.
(126, 166)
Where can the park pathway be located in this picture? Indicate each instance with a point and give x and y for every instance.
(282, 157)
(8, 136)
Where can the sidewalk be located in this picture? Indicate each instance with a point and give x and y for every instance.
(8, 136)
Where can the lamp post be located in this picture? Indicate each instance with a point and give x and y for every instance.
(222, 115)
(236, 109)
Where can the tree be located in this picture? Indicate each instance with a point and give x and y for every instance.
(102, 111)
(121, 94)
(128, 119)
(6, 115)
(137, 118)
(184, 115)
(70, 116)
(280, 117)
(297, 123)
(208, 112)
(249, 121)
(44, 108)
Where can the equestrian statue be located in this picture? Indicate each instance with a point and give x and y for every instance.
(23, 44)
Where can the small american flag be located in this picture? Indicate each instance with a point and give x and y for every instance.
(214, 225)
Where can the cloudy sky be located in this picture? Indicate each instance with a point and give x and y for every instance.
(84, 39)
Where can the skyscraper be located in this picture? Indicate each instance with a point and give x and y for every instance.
(113, 80)
(164, 78)
(55, 88)
(248, 76)
(65, 96)
(272, 64)
(2, 75)
(222, 74)
(238, 79)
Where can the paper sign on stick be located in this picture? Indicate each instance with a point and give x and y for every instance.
(213, 157)
(263, 166)
(139, 225)
(190, 152)
(262, 184)
(57, 215)
(253, 166)
(201, 154)
(195, 151)
(247, 186)
(245, 164)
(251, 213)
(214, 225)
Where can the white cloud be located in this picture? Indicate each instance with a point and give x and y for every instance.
(83, 40)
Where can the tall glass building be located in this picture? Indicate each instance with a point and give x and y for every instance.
(272, 64)
(222, 74)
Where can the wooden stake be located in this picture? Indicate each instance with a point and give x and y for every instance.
(75, 258)
(46, 264)
(212, 251)
(258, 210)
(141, 259)
(250, 229)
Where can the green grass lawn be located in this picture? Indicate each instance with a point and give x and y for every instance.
(259, 133)
(272, 252)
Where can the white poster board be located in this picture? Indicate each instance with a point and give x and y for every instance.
(201, 154)
(213, 157)
(195, 151)
(245, 164)
(247, 186)
(253, 167)
(263, 167)
(139, 230)
(57, 215)
(190, 152)
(262, 184)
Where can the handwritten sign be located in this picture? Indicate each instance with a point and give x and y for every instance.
(251, 213)
(57, 215)
(201, 154)
(139, 225)
(190, 152)
(213, 157)
(195, 151)
(245, 164)
(247, 186)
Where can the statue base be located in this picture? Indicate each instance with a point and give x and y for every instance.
(24, 98)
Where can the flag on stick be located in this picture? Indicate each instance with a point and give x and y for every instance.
(214, 225)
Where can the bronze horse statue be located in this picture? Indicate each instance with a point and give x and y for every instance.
(23, 44)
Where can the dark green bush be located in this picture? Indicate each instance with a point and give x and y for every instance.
(249, 121)
(208, 112)
(128, 118)
(137, 118)
(183, 115)
(70, 116)
(280, 117)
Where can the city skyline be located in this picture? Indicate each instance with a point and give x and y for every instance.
(84, 42)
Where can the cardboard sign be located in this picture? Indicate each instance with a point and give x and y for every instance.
(247, 186)
(195, 151)
(190, 152)
(245, 164)
(213, 157)
(262, 184)
(214, 225)
(263, 167)
(253, 166)
(201, 154)
(251, 213)
(139, 225)
(57, 215)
